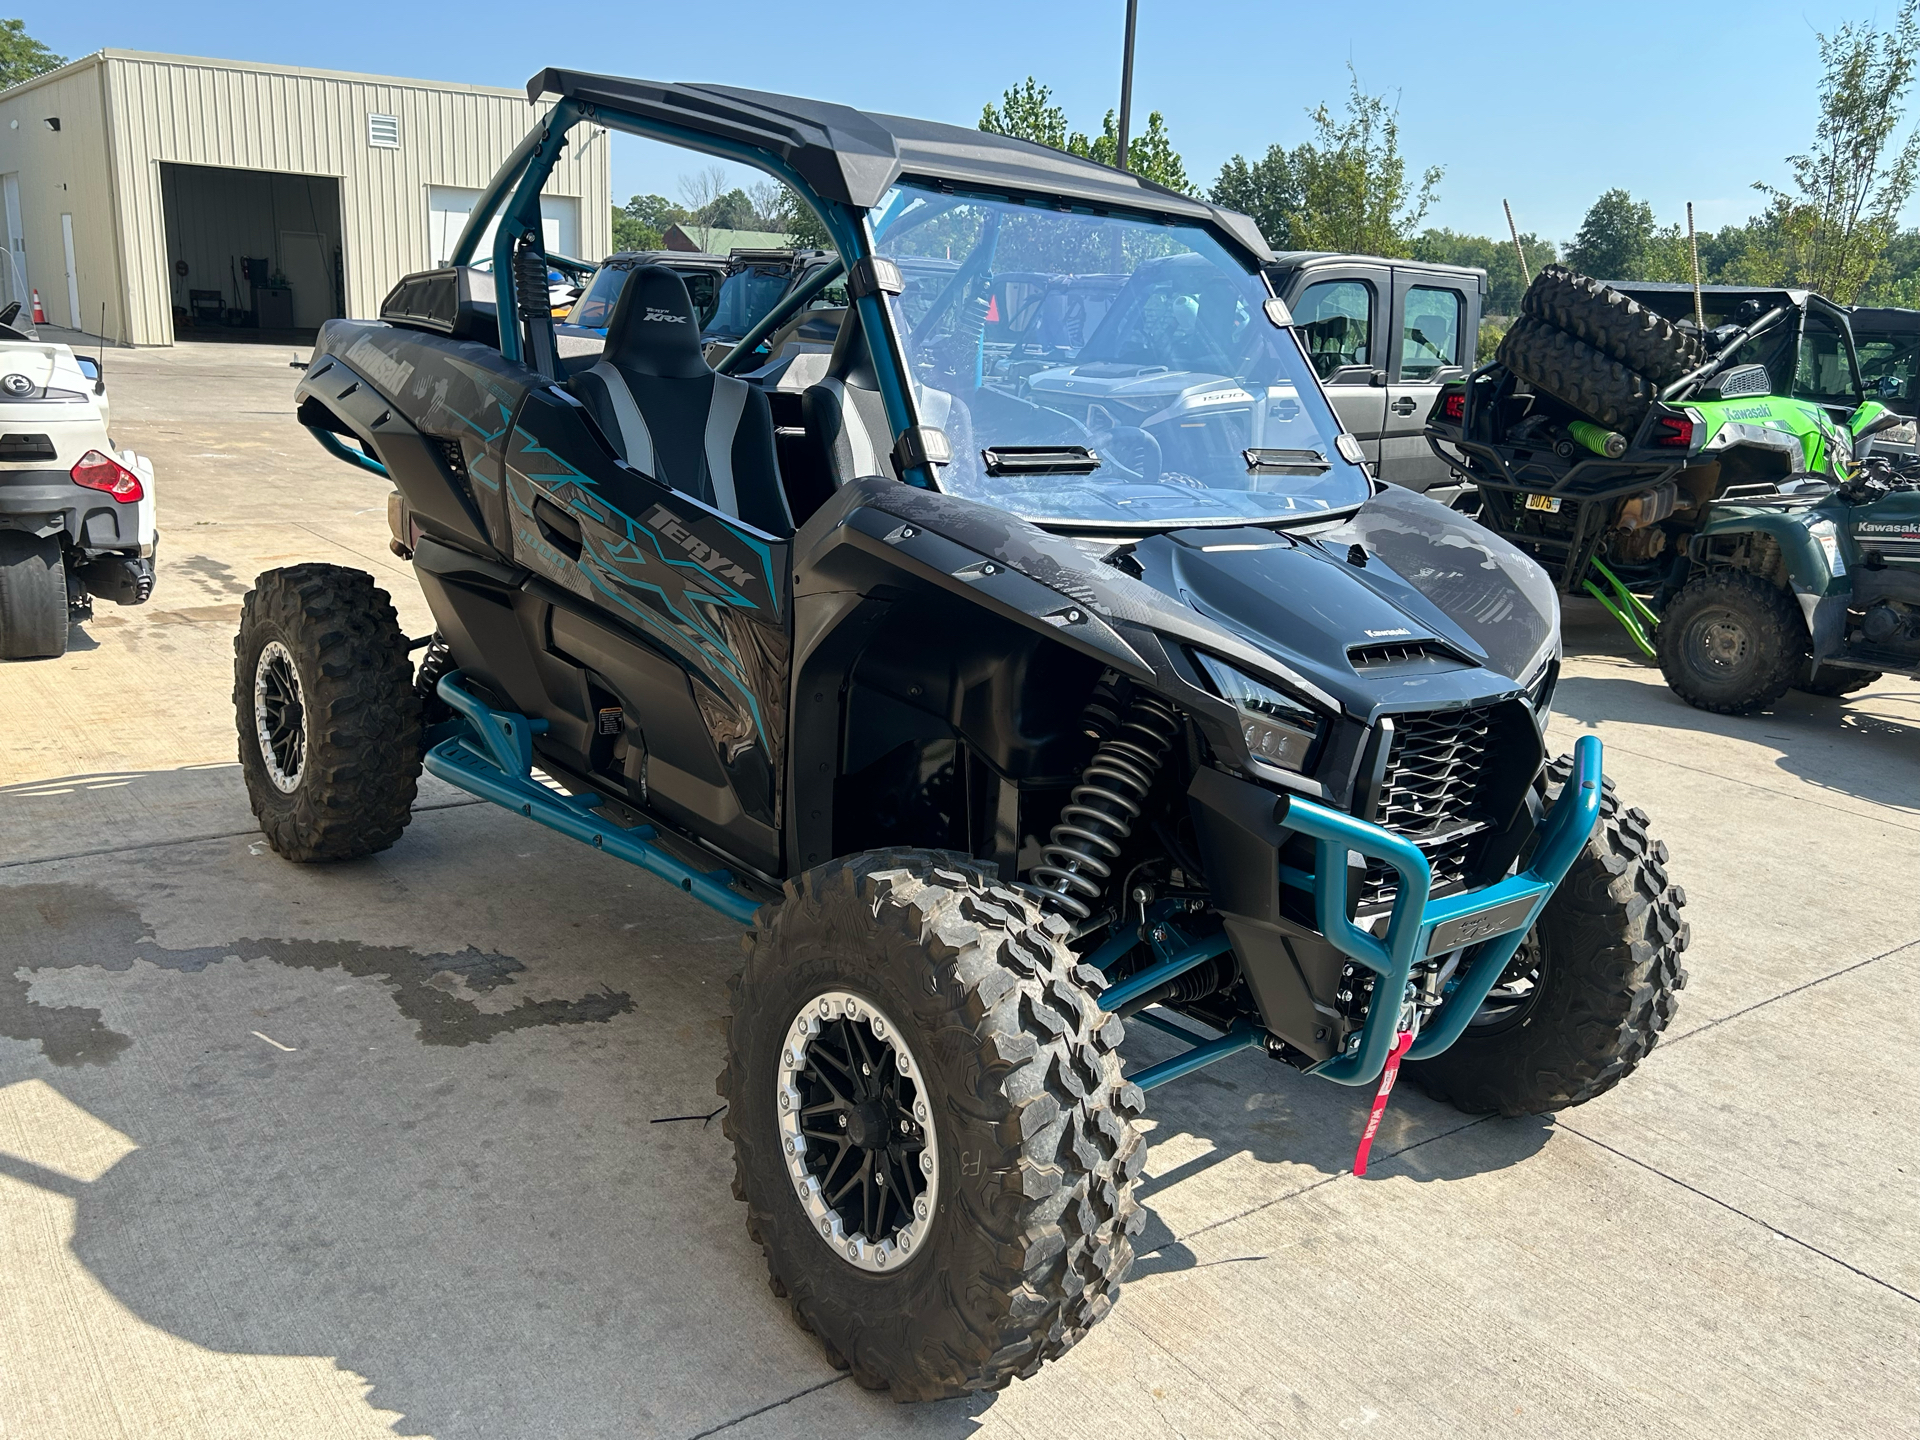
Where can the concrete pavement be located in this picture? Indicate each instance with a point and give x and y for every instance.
(418, 1145)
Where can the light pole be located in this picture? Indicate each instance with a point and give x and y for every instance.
(1126, 87)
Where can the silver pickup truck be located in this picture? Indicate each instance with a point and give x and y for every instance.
(1385, 335)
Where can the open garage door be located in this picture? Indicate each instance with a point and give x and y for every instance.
(252, 254)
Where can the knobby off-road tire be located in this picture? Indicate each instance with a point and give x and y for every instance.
(1591, 989)
(1032, 1210)
(1834, 681)
(1731, 643)
(1576, 374)
(33, 597)
(1620, 328)
(328, 719)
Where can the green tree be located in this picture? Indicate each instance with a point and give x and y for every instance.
(1267, 189)
(1027, 112)
(732, 211)
(1614, 238)
(21, 56)
(1355, 194)
(1496, 257)
(643, 220)
(1850, 187)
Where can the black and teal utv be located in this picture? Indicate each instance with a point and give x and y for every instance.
(1040, 661)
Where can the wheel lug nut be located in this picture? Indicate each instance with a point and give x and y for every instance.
(843, 1120)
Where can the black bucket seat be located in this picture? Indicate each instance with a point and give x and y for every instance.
(846, 420)
(671, 416)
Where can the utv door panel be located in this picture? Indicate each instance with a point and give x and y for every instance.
(704, 589)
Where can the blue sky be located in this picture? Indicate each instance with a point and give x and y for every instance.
(1544, 105)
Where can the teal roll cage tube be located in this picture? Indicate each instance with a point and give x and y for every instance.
(335, 446)
(532, 161)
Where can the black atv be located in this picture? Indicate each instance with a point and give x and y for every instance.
(1007, 690)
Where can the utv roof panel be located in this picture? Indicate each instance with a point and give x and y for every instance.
(853, 157)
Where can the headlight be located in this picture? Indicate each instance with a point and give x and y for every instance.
(1278, 729)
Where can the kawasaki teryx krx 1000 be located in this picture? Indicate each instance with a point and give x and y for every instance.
(1040, 660)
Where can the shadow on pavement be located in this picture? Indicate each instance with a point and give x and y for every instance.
(1849, 746)
(460, 1190)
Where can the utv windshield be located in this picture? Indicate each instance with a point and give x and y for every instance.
(1031, 329)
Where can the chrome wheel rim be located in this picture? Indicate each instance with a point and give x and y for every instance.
(856, 1131)
(280, 716)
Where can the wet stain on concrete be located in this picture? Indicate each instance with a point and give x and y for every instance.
(212, 574)
(66, 927)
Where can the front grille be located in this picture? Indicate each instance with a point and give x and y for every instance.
(1431, 793)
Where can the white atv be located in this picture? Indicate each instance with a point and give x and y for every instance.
(76, 518)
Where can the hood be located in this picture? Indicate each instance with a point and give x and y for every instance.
(1443, 613)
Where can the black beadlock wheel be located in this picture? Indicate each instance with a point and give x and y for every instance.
(1589, 991)
(1731, 643)
(931, 1131)
(33, 597)
(1618, 327)
(1576, 374)
(1833, 681)
(328, 719)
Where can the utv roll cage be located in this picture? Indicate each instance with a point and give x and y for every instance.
(838, 160)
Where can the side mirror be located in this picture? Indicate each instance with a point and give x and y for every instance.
(1887, 387)
(89, 367)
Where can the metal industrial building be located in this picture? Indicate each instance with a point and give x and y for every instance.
(154, 196)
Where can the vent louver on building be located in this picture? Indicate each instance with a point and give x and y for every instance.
(383, 132)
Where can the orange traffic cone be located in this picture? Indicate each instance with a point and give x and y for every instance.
(39, 315)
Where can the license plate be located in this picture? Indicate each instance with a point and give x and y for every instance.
(1471, 929)
(1548, 503)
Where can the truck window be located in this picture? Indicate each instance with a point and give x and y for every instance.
(1336, 319)
(1430, 332)
(1890, 366)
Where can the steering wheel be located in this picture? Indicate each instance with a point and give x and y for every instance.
(1133, 449)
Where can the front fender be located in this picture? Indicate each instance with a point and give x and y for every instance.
(1809, 543)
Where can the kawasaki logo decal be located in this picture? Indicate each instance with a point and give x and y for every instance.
(1750, 412)
(667, 527)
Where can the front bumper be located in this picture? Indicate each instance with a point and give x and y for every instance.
(1496, 917)
(1292, 971)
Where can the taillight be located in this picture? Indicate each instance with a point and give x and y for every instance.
(1453, 406)
(103, 472)
(1671, 430)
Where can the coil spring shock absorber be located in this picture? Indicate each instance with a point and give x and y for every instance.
(1077, 860)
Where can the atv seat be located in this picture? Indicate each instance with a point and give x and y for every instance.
(654, 396)
(846, 420)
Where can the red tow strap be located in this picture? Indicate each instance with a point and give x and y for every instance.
(1400, 1048)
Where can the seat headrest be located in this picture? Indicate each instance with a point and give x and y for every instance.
(653, 330)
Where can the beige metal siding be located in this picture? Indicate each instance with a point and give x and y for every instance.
(124, 114)
(305, 122)
(64, 172)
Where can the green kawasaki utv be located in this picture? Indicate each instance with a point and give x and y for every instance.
(1710, 485)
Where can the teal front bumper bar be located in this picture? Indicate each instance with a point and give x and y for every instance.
(1496, 918)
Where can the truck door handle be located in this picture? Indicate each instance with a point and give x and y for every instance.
(1405, 405)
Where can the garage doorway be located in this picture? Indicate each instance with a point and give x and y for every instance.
(252, 254)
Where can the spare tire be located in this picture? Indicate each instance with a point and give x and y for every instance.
(1618, 327)
(1576, 374)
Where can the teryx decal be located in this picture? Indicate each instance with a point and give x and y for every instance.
(663, 523)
